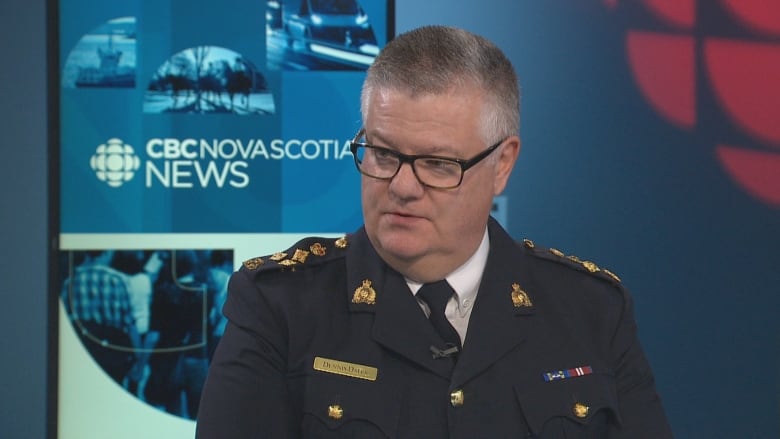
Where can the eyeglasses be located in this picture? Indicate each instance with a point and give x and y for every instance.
(430, 170)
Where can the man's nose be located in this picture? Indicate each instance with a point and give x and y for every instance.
(405, 183)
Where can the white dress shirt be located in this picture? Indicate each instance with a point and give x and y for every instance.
(465, 281)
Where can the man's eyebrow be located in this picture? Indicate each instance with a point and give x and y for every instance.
(376, 139)
(440, 150)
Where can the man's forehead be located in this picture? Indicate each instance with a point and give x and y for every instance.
(451, 110)
(408, 91)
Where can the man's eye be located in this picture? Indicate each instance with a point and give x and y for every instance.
(382, 154)
(440, 166)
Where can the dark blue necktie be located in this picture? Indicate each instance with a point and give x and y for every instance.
(436, 295)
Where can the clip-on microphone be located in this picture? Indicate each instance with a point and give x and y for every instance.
(450, 350)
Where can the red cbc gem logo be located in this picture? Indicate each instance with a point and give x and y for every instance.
(719, 60)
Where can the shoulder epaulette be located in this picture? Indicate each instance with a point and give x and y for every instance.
(556, 255)
(306, 252)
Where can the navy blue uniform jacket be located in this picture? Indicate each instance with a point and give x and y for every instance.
(551, 352)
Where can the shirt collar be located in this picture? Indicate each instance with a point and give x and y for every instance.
(465, 279)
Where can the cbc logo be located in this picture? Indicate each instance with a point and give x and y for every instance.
(711, 68)
(115, 162)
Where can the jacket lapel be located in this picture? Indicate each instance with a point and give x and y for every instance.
(399, 323)
(498, 323)
(401, 326)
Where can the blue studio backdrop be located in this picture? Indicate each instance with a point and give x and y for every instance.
(650, 145)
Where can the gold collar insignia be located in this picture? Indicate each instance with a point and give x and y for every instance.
(365, 294)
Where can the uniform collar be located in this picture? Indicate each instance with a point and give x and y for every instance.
(465, 279)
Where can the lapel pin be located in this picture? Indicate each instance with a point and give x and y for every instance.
(365, 294)
(520, 297)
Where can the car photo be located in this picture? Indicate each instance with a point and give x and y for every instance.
(333, 30)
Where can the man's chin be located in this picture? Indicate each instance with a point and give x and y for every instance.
(402, 246)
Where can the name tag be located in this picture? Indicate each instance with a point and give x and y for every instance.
(347, 369)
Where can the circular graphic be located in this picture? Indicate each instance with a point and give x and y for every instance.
(710, 68)
(115, 162)
(208, 79)
(104, 57)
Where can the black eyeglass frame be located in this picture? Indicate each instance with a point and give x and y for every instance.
(465, 164)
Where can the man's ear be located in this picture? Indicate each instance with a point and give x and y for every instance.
(507, 156)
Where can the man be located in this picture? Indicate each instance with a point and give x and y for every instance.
(357, 337)
(98, 303)
(140, 287)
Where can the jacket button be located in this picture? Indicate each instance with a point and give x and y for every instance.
(457, 398)
(335, 411)
(580, 410)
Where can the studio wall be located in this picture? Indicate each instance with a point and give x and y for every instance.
(656, 188)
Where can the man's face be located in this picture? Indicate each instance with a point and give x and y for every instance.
(422, 232)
